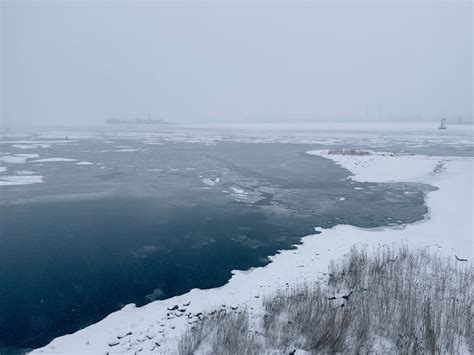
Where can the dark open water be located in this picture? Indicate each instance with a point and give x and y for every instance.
(144, 226)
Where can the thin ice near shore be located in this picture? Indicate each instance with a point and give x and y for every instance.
(157, 327)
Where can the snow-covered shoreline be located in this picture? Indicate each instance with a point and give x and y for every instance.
(448, 227)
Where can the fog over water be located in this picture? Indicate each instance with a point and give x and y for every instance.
(82, 62)
(97, 216)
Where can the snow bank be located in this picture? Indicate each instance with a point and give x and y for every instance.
(383, 167)
(448, 228)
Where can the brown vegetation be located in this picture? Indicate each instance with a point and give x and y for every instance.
(394, 300)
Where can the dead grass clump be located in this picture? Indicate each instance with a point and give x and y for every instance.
(220, 333)
(393, 300)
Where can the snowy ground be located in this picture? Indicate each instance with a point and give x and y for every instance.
(385, 166)
(156, 327)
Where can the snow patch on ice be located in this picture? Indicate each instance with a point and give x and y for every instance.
(236, 190)
(239, 194)
(211, 181)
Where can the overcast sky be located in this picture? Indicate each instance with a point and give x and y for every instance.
(82, 62)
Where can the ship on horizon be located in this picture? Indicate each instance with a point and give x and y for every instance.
(136, 121)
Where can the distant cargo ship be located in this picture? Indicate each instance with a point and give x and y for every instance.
(136, 121)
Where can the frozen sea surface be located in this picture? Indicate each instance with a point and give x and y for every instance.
(143, 222)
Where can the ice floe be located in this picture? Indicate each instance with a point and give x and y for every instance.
(211, 181)
(238, 193)
(52, 160)
(127, 150)
(13, 180)
(17, 158)
(236, 190)
(24, 172)
(31, 146)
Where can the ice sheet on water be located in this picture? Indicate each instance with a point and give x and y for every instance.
(127, 150)
(31, 146)
(24, 172)
(51, 160)
(17, 158)
(13, 180)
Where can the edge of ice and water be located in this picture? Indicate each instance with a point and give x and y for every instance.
(447, 227)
